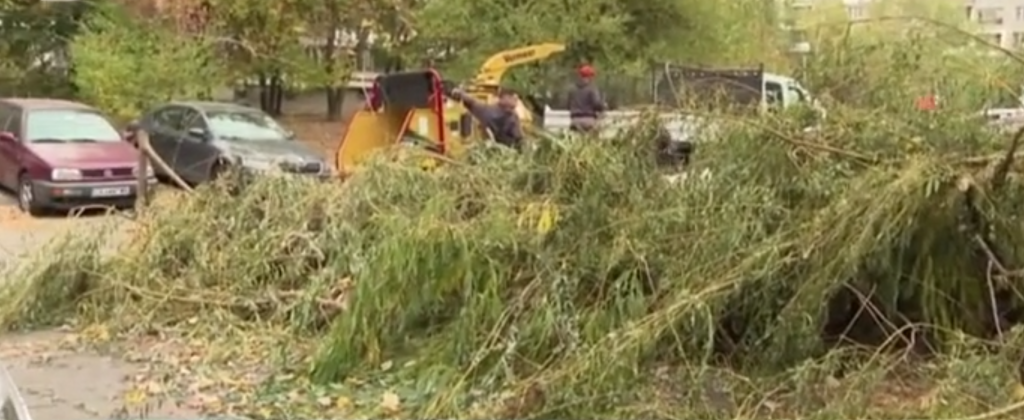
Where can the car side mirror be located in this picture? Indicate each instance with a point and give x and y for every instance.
(199, 133)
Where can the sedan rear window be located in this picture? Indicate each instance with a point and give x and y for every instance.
(69, 125)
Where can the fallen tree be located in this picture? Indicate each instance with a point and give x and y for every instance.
(575, 268)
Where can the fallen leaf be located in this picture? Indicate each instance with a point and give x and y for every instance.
(153, 388)
(324, 401)
(386, 366)
(71, 340)
(391, 403)
(1018, 391)
(135, 396)
(343, 403)
(97, 333)
(201, 384)
(548, 218)
(207, 402)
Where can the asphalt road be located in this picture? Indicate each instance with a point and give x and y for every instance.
(58, 383)
(21, 235)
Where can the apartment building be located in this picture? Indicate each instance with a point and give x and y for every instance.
(857, 9)
(1001, 21)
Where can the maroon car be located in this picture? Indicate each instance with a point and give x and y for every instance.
(57, 154)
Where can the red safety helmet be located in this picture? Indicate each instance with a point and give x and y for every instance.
(587, 71)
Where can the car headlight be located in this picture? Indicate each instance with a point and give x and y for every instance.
(65, 174)
(149, 172)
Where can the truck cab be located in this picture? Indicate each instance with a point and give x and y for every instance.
(784, 91)
(673, 85)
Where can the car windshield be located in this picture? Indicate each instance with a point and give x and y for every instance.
(245, 125)
(69, 125)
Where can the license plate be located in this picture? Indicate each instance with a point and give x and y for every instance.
(111, 192)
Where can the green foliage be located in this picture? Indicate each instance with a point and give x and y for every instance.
(33, 45)
(619, 36)
(123, 65)
(929, 42)
(265, 35)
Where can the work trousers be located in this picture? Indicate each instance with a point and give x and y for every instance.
(583, 124)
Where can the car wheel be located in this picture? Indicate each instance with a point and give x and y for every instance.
(219, 168)
(27, 200)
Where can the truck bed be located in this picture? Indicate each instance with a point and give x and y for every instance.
(679, 86)
(681, 126)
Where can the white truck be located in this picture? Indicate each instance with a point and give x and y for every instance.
(681, 88)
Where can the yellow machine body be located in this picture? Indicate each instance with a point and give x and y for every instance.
(412, 113)
(438, 124)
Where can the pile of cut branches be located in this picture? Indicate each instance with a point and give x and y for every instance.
(569, 267)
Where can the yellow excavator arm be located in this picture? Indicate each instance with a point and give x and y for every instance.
(494, 68)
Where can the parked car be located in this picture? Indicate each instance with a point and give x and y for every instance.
(57, 154)
(199, 140)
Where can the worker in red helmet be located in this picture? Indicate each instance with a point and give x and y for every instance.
(585, 101)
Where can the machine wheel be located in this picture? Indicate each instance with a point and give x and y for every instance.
(27, 200)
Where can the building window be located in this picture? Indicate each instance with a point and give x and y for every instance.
(856, 12)
(1020, 13)
(993, 38)
(1018, 39)
(990, 15)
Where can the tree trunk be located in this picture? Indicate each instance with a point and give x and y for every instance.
(334, 100)
(277, 94)
(271, 93)
(333, 88)
(265, 94)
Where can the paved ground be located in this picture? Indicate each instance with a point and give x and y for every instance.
(62, 385)
(59, 384)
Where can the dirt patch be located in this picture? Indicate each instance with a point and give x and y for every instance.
(324, 136)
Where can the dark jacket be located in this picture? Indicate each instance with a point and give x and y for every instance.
(585, 100)
(504, 124)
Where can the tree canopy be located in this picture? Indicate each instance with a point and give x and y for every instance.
(297, 44)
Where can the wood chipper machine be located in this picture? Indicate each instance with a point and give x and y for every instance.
(412, 108)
